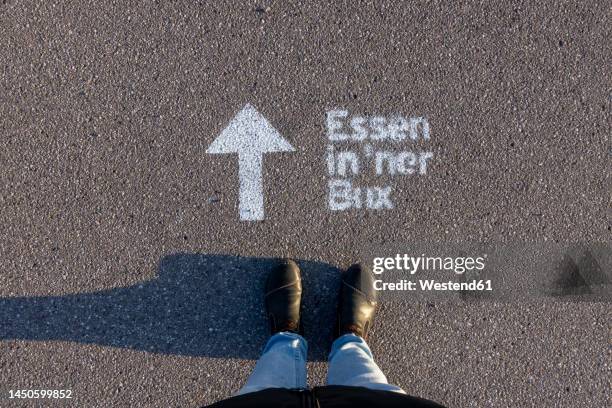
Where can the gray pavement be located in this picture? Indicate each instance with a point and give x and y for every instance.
(127, 274)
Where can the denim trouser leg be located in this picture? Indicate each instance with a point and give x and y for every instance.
(351, 363)
(281, 365)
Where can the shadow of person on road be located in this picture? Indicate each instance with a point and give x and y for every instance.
(199, 305)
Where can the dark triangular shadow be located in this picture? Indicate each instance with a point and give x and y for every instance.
(199, 305)
(570, 280)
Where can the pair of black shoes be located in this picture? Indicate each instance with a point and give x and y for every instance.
(356, 302)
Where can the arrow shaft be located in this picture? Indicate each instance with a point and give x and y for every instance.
(251, 202)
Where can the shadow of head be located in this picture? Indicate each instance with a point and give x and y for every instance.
(199, 305)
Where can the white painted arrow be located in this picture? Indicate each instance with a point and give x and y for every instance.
(250, 135)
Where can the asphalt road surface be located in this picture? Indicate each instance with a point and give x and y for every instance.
(127, 274)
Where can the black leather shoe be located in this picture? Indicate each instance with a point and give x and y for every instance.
(283, 297)
(357, 302)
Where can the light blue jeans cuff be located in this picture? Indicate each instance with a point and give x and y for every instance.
(281, 365)
(351, 363)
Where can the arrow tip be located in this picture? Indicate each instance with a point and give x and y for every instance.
(249, 131)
